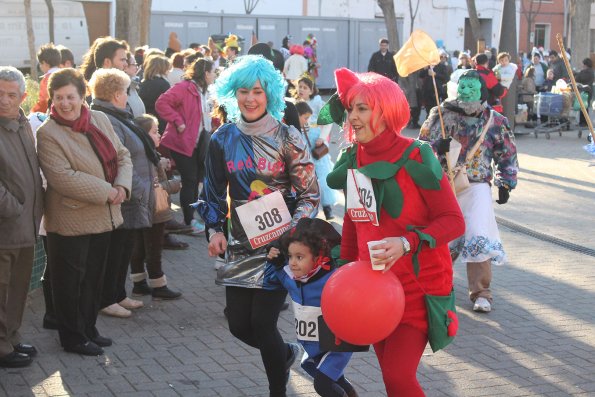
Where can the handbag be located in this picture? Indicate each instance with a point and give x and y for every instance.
(320, 151)
(161, 201)
(442, 320)
(460, 178)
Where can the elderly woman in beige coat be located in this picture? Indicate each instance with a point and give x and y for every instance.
(89, 174)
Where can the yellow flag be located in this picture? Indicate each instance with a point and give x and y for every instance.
(418, 52)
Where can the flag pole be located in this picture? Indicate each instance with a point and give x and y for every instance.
(449, 167)
(574, 87)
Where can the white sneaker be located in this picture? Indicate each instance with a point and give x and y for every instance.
(482, 305)
(219, 263)
(197, 227)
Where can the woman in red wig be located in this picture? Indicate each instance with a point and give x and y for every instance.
(396, 192)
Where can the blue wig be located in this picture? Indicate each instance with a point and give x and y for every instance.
(244, 73)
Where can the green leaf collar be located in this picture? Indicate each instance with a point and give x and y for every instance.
(387, 191)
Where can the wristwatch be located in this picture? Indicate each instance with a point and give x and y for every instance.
(406, 245)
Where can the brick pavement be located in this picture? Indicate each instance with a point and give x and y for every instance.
(538, 341)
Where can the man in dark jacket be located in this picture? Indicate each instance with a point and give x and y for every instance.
(428, 95)
(557, 65)
(382, 61)
(586, 77)
(21, 206)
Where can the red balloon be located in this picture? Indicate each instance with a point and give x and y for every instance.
(360, 305)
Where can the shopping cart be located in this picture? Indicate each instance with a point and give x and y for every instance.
(557, 108)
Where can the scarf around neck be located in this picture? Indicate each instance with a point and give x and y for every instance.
(126, 118)
(262, 126)
(102, 146)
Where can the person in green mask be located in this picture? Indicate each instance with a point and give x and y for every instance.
(485, 141)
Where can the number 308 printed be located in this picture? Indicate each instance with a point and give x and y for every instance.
(268, 219)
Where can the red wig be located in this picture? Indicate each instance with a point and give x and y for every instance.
(296, 49)
(382, 95)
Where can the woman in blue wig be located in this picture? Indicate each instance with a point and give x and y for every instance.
(259, 182)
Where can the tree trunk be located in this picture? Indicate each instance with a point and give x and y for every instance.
(388, 10)
(122, 19)
(508, 43)
(474, 21)
(508, 40)
(51, 19)
(579, 36)
(530, 15)
(530, 19)
(31, 39)
(128, 11)
(145, 25)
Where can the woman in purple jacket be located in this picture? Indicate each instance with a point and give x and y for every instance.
(184, 107)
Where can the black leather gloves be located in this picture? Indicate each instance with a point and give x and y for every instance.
(443, 145)
(503, 195)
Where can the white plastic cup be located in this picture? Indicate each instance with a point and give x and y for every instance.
(371, 245)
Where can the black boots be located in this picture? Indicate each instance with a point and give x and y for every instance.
(157, 288)
(141, 288)
(164, 293)
(328, 212)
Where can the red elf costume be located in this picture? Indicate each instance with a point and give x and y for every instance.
(412, 200)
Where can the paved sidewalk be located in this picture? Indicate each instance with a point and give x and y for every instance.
(538, 341)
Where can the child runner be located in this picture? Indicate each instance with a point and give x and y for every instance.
(317, 136)
(303, 265)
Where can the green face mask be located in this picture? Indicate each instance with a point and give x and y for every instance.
(469, 89)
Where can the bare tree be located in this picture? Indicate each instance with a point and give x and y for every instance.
(31, 39)
(508, 43)
(530, 15)
(145, 25)
(580, 14)
(51, 19)
(412, 14)
(388, 10)
(250, 5)
(126, 11)
(508, 39)
(474, 21)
